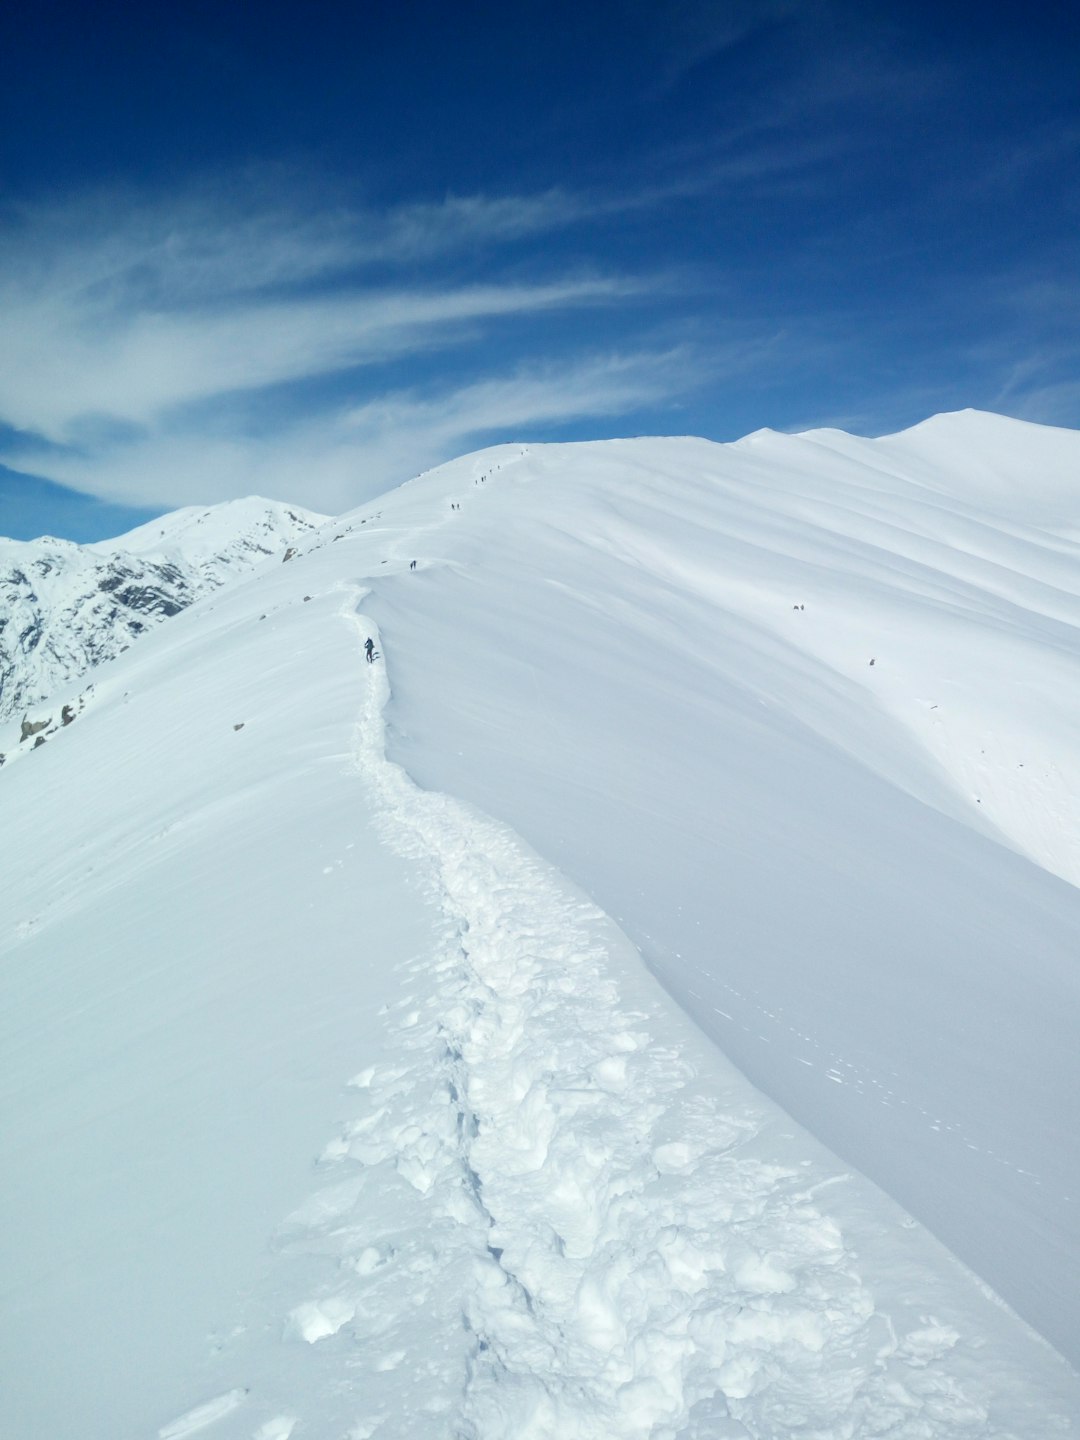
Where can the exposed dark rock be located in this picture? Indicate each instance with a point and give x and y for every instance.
(152, 599)
(31, 727)
(67, 714)
(39, 741)
(30, 636)
(240, 726)
(65, 609)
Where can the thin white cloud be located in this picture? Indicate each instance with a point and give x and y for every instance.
(691, 32)
(258, 230)
(141, 336)
(1054, 403)
(337, 461)
(123, 317)
(63, 366)
(419, 230)
(606, 385)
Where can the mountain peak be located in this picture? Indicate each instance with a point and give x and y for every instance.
(70, 607)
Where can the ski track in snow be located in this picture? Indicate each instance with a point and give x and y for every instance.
(614, 1251)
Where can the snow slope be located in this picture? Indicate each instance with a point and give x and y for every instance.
(546, 1204)
(822, 858)
(66, 608)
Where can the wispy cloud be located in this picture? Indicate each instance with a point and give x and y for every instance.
(1041, 384)
(336, 460)
(1054, 403)
(71, 365)
(257, 229)
(692, 32)
(391, 430)
(127, 322)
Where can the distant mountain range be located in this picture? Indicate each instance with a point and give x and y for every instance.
(65, 608)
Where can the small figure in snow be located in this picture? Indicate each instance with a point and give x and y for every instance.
(412, 565)
(369, 649)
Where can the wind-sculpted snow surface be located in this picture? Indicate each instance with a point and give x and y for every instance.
(788, 709)
(636, 1247)
(625, 711)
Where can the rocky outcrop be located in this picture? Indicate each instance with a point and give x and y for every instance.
(31, 727)
(65, 608)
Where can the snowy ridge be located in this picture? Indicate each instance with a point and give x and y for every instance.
(219, 540)
(65, 608)
(1012, 470)
(631, 1257)
(649, 711)
(778, 711)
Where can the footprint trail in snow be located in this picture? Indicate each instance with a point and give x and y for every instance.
(551, 1221)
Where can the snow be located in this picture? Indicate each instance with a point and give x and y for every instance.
(67, 608)
(212, 538)
(1011, 470)
(202, 1416)
(792, 837)
(339, 1099)
(172, 1031)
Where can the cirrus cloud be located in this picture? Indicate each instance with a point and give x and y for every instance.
(141, 335)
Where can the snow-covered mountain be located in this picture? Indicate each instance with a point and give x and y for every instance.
(641, 1003)
(65, 608)
(219, 541)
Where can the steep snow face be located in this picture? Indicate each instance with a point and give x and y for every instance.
(65, 608)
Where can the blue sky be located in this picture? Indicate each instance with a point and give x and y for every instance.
(307, 252)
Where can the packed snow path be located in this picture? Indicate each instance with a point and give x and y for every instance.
(547, 1222)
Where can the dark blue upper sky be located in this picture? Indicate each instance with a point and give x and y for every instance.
(309, 251)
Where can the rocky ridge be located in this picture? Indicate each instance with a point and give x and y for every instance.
(65, 608)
